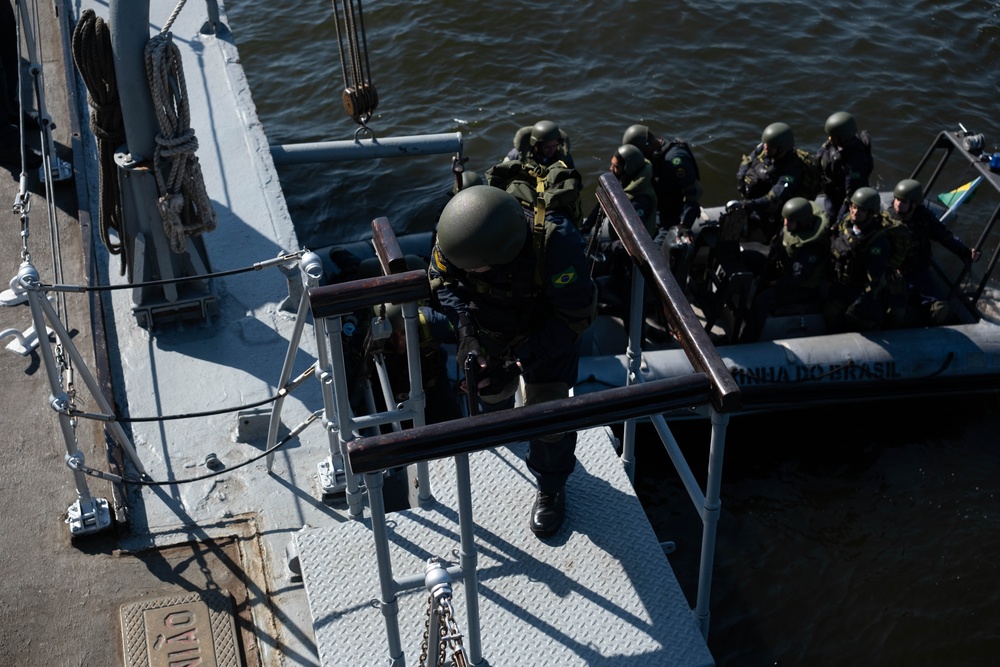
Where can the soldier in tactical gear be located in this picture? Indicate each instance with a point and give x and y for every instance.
(846, 161)
(542, 143)
(797, 267)
(772, 174)
(519, 294)
(675, 176)
(862, 254)
(926, 300)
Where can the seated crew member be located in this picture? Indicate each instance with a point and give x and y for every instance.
(772, 174)
(676, 180)
(927, 302)
(543, 143)
(519, 299)
(846, 161)
(797, 264)
(862, 253)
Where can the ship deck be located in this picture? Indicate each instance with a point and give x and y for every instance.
(600, 592)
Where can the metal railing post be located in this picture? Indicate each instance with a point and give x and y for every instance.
(634, 355)
(710, 518)
(87, 514)
(387, 585)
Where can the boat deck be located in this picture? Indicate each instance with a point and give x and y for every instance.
(600, 592)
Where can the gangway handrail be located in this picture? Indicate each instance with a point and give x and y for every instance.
(694, 340)
(482, 431)
(344, 298)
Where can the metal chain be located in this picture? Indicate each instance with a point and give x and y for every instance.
(451, 636)
(424, 647)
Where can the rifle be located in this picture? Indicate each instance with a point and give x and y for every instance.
(472, 382)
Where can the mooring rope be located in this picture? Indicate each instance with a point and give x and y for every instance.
(184, 204)
(95, 62)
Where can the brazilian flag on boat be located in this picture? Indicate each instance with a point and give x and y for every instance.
(960, 194)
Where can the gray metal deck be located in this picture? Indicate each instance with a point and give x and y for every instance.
(599, 593)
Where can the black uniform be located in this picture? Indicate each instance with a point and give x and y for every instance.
(533, 310)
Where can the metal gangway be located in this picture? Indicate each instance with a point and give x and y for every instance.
(370, 456)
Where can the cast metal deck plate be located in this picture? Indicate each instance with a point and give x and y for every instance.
(599, 592)
(195, 629)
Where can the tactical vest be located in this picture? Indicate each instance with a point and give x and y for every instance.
(849, 250)
(643, 185)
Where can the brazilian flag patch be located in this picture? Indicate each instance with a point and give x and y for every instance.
(567, 277)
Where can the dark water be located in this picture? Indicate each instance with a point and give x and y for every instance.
(861, 535)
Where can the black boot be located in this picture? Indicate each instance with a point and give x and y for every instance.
(547, 513)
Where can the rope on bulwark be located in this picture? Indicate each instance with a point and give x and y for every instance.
(95, 62)
(184, 204)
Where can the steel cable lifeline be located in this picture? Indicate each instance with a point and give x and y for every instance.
(79, 466)
(281, 393)
(256, 266)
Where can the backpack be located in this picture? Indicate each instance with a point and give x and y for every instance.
(812, 175)
(559, 186)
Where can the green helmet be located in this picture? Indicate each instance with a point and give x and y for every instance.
(481, 226)
(632, 160)
(638, 135)
(909, 190)
(469, 178)
(545, 130)
(797, 209)
(841, 126)
(778, 135)
(867, 199)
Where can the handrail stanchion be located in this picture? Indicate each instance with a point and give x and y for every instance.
(389, 604)
(469, 556)
(710, 518)
(634, 355)
(88, 514)
(312, 267)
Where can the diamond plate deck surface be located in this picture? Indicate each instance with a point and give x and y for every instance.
(601, 592)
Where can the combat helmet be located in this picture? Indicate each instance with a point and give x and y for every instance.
(481, 226)
(639, 136)
(798, 210)
(543, 131)
(393, 313)
(779, 135)
(909, 190)
(469, 178)
(867, 199)
(841, 126)
(632, 160)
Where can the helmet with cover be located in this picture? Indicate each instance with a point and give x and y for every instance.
(841, 126)
(867, 199)
(909, 190)
(798, 210)
(544, 131)
(639, 136)
(778, 136)
(632, 160)
(481, 226)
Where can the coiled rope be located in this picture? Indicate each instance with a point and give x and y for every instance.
(184, 204)
(95, 62)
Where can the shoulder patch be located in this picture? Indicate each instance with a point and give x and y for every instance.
(677, 161)
(876, 250)
(438, 261)
(681, 172)
(567, 277)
